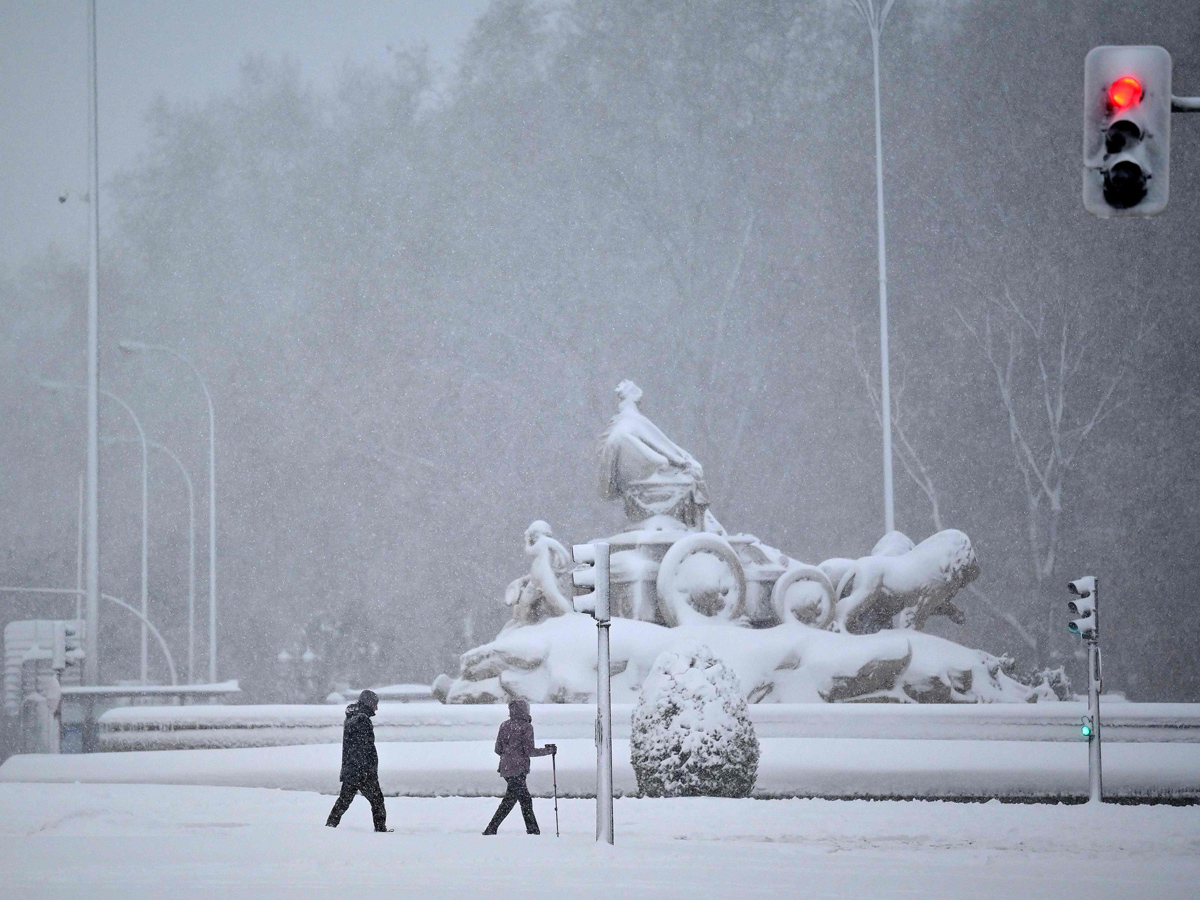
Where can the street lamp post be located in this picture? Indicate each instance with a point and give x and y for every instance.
(91, 661)
(60, 386)
(79, 559)
(187, 480)
(875, 19)
(138, 346)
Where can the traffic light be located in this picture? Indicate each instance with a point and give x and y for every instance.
(68, 644)
(591, 572)
(1126, 130)
(73, 641)
(1085, 726)
(1083, 606)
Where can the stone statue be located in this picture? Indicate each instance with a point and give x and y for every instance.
(545, 591)
(848, 629)
(900, 585)
(646, 469)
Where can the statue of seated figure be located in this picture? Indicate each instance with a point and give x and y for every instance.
(646, 469)
(546, 590)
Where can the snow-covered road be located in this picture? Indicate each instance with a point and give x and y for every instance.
(789, 767)
(140, 841)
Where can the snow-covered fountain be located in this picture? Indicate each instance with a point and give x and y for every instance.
(842, 630)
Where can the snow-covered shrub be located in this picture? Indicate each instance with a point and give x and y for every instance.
(691, 735)
(1052, 684)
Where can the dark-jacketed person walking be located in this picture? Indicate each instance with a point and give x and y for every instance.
(360, 763)
(514, 746)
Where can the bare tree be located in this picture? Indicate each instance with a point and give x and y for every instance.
(1056, 386)
(917, 470)
(1043, 355)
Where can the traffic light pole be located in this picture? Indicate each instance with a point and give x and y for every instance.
(1095, 783)
(1086, 605)
(592, 572)
(604, 779)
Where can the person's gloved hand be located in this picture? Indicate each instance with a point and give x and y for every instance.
(553, 748)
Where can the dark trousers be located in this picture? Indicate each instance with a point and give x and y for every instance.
(517, 793)
(368, 786)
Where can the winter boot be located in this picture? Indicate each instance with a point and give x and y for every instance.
(531, 823)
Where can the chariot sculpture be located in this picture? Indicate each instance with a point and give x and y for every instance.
(843, 629)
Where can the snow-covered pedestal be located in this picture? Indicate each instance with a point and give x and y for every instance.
(555, 662)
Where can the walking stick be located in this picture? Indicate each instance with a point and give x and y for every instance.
(554, 774)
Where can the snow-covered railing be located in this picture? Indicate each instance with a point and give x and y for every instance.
(183, 727)
(1122, 721)
(180, 691)
(395, 693)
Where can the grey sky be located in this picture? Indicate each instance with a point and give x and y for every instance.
(149, 48)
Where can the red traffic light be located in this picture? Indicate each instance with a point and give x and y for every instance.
(1124, 93)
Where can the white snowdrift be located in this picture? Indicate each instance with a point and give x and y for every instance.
(825, 767)
(555, 662)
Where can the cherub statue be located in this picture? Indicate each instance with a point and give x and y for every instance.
(545, 591)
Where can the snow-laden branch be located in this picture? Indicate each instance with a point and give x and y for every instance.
(875, 18)
(1003, 615)
(1023, 452)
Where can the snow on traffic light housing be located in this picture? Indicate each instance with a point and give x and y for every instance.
(1127, 131)
(1085, 726)
(591, 572)
(1085, 625)
(1083, 606)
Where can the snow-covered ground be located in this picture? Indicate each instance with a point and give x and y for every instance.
(141, 841)
(822, 767)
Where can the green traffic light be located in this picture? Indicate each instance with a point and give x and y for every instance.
(1086, 730)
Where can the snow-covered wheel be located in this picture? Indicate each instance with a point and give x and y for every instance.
(804, 593)
(700, 579)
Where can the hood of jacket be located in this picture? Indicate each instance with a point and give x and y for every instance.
(356, 709)
(519, 710)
